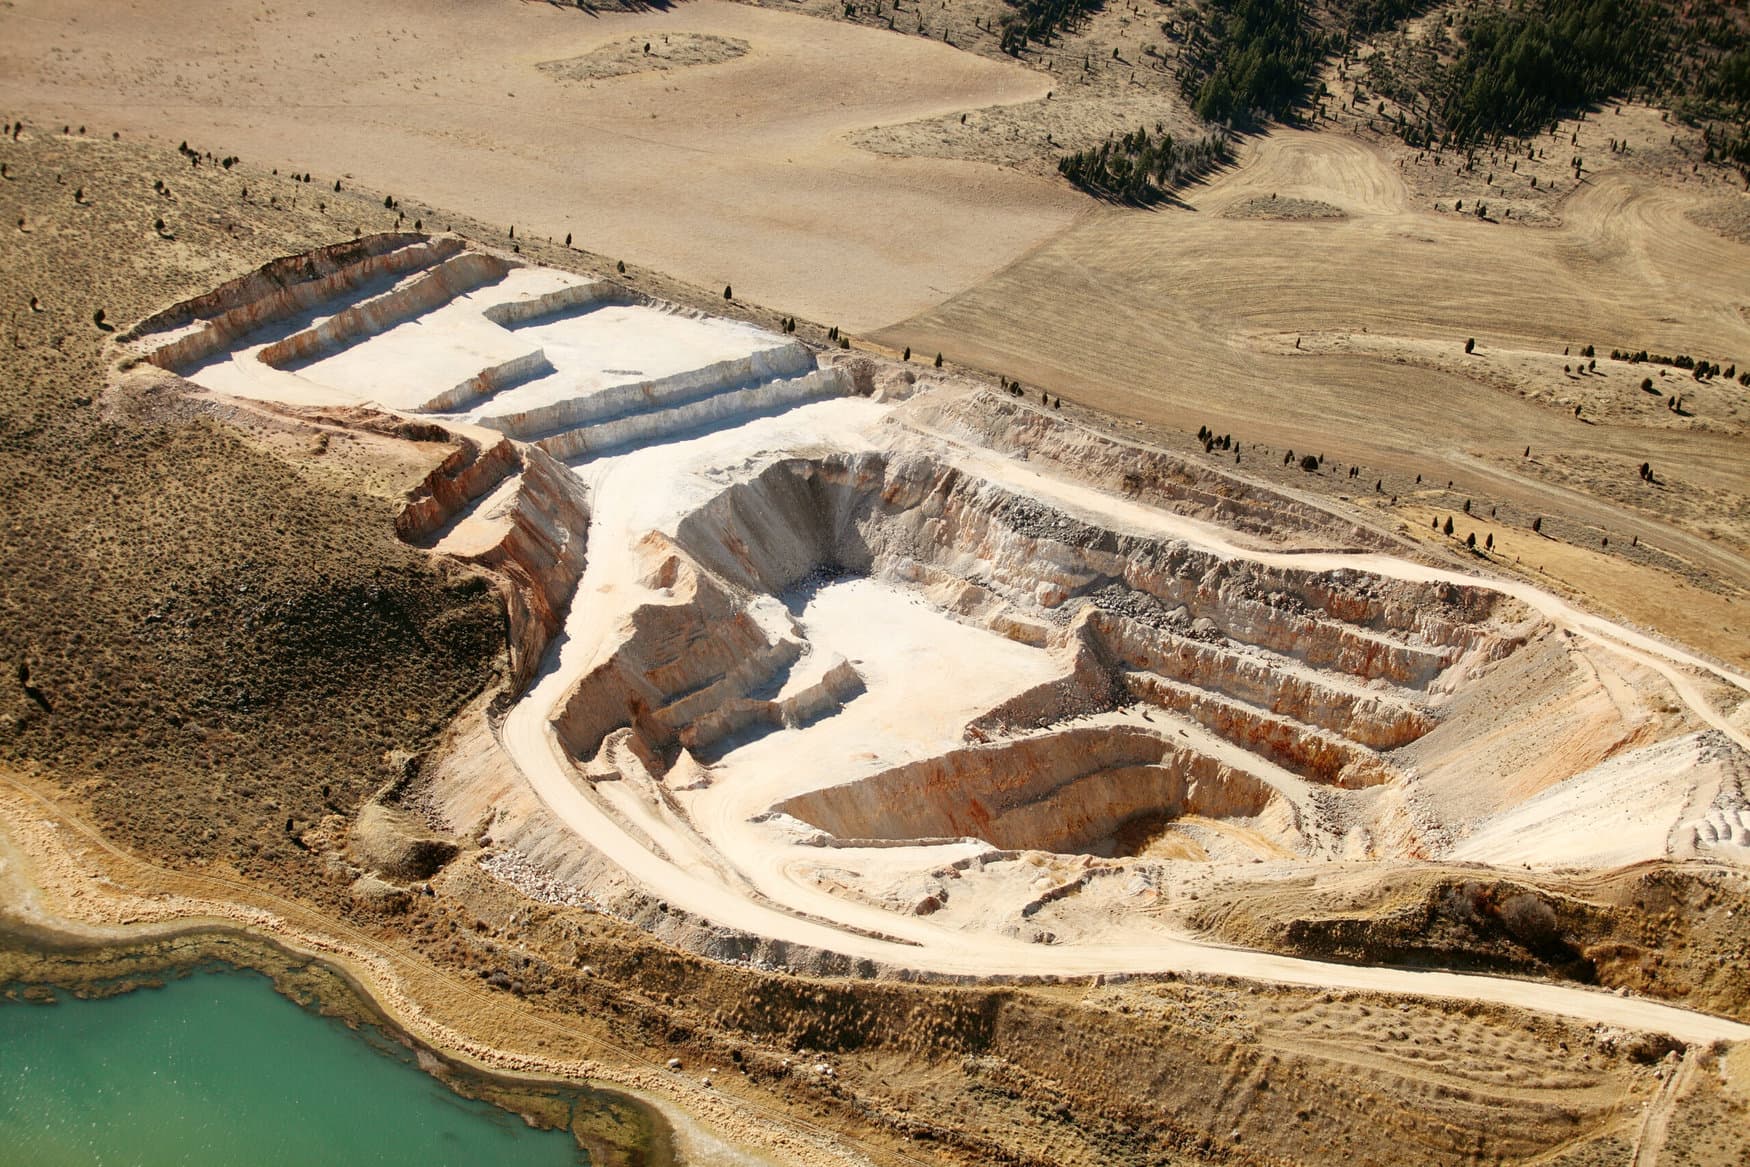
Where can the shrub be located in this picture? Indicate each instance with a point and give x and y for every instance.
(1529, 920)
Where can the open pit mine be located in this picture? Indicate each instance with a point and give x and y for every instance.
(825, 661)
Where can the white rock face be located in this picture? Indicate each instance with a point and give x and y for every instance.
(858, 659)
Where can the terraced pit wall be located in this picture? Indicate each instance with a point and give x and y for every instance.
(454, 276)
(1318, 673)
(194, 330)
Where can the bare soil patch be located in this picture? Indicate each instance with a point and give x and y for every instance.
(1185, 318)
(1728, 216)
(1650, 586)
(658, 51)
(1289, 210)
(1109, 72)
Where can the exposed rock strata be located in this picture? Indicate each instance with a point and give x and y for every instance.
(196, 329)
(1058, 791)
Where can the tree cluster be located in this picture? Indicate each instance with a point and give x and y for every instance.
(1139, 167)
(1039, 20)
(1510, 70)
(1701, 370)
(1251, 60)
(1366, 17)
(1521, 67)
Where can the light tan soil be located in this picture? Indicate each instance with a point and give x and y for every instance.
(1172, 317)
(671, 169)
(1109, 73)
(1649, 590)
(1730, 216)
(1181, 319)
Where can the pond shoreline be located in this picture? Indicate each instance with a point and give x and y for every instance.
(39, 963)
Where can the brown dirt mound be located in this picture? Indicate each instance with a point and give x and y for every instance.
(1292, 210)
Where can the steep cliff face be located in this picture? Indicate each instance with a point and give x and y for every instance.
(541, 556)
(453, 276)
(1156, 476)
(728, 397)
(468, 473)
(684, 662)
(632, 397)
(1381, 719)
(534, 543)
(1317, 671)
(493, 379)
(915, 517)
(1298, 680)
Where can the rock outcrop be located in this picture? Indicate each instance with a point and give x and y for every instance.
(197, 329)
(1068, 790)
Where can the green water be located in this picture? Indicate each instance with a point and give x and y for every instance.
(217, 1068)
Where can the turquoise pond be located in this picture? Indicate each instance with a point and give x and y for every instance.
(218, 1068)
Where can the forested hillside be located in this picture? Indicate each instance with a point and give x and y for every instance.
(1485, 72)
(1461, 74)
(1477, 70)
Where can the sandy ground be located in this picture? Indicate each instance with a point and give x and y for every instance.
(1110, 72)
(747, 172)
(1646, 595)
(731, 173)
(642, 54)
